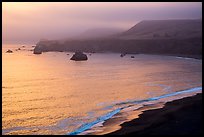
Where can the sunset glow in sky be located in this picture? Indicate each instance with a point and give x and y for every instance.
(29, 22)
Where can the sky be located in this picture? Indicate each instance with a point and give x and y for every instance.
(28, 22)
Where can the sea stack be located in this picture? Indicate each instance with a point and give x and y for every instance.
(9, 51)
(79, 56)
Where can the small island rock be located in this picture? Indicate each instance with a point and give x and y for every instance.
(79, 56)
(122, 55)
(9, 51)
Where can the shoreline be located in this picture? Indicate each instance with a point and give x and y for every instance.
(199, 57)
(131, 112)
(193, 56)
(178, 117)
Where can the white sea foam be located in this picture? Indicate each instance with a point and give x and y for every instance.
(109, 115)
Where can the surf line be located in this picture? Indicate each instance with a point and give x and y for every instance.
(87, 126)
(109, 115)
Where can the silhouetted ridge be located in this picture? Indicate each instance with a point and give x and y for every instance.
(178, 37)
(164, 29)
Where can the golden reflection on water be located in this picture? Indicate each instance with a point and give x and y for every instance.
(41, 90)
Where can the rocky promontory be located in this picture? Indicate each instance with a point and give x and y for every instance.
(37, 50)
(166, 37)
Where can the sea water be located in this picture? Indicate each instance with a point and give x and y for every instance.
(51, 94)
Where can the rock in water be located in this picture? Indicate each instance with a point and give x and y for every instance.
(132, 56)
(9, 51)
(79, 56)
(122, 55)
(37, 50)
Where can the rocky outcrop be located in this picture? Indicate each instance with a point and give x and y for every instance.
(122, 55)
(9, 51)
(79, 56)
(37, 50)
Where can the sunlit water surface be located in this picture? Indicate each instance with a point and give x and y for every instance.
(50, 94)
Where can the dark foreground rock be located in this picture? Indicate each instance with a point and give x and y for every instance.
(179, 117)
(9, 51)
(79, 56)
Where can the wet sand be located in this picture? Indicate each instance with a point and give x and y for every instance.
(179, 117)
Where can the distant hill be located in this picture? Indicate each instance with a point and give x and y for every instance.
(178, 37)
(98, 33)
(151, 29)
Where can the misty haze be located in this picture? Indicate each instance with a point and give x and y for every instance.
(101, 68)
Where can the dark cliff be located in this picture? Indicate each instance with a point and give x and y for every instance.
(151, 37)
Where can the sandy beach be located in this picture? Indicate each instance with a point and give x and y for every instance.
(179, 117)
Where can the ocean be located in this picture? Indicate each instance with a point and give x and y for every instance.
(51, 94)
